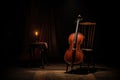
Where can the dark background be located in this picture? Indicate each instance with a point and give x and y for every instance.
(19, 17)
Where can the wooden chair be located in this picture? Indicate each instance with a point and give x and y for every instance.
(88, 30)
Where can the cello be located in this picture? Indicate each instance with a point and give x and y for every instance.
(74, 54)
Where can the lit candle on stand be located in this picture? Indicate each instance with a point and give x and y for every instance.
(36, 34)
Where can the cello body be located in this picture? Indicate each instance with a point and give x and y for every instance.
(68, 57)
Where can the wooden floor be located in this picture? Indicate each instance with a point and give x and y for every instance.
(58, 72)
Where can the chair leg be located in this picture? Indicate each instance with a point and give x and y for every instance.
(88, 67)
(67, 67)
(81, 65)
(71, 66)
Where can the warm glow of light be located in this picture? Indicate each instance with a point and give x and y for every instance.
(36, 33)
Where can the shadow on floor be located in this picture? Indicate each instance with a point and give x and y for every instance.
(85, 70)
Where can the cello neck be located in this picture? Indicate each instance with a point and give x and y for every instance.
(76, 31)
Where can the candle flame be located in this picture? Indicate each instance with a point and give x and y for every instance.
(36, 33)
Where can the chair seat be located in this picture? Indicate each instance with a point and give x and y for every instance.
(86, 49)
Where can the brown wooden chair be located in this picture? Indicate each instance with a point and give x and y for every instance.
(88, 30)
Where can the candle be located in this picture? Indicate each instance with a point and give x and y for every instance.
(36, 36)
(36, 33)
